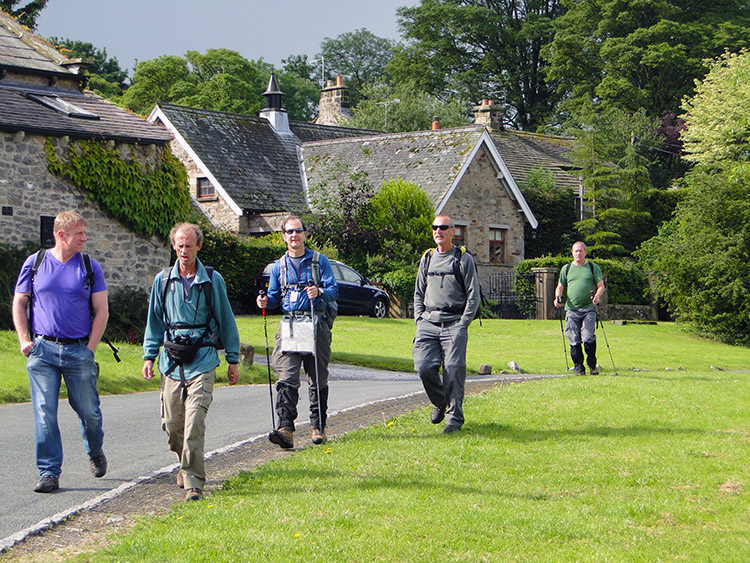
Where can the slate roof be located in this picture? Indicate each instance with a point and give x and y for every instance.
(257, 167)
(430, 159)
(524, 151)
(20, 55)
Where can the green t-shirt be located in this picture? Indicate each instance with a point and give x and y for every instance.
(578, 283)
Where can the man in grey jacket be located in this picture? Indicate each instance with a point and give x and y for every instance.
(446, 299)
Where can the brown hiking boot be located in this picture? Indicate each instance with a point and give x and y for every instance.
(318, 436)
(180, 479)
(193, 494)
(283, 437)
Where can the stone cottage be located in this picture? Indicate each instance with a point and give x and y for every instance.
(43, 98)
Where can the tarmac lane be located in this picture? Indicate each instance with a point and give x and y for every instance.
(136, 447)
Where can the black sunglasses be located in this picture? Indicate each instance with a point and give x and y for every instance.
(441, 227)
(297, 230)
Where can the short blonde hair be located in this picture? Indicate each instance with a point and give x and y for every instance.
(67, 219)
(179, 226)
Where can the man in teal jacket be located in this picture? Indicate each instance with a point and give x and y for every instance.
(189, 318)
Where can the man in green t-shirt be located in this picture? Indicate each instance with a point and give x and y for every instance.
(581, 278)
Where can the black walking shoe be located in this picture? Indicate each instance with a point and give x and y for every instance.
(47, 484)
(578, 369)
(283, 437)
(98, 465)
(437, 415)
(451, 428)
(594, 370)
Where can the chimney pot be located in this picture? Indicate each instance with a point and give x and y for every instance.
(435, 123)
(329, 83)
(339, 80)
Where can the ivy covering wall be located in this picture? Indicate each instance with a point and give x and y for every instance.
(148, 202)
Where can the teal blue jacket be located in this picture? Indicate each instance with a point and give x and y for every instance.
(191, 310)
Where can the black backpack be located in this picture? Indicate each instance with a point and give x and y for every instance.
(458, 274)
(88, 283)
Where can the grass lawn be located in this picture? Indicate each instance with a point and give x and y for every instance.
(653, 465)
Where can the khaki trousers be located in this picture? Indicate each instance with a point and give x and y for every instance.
(185, 423)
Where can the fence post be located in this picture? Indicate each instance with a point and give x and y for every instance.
(546, 282)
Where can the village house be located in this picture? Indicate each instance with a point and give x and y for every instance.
(248, 172)
(43, 99)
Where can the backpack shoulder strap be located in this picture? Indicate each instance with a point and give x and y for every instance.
(316, 267)
(89, 280)
(208, 290)
(282, 273)
(427, 256)
(458, 252)
(38, 262)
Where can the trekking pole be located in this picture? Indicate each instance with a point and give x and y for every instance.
(262, 293)
(601, 324)
(315, 358)
(562, 331)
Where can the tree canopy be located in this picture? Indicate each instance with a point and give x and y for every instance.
(701, 258)
(360, 56)
(27, 13)
(106, 77)
(475, 49)
(640, 54)
(219, 80)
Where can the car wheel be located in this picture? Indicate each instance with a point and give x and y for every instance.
(379, 309)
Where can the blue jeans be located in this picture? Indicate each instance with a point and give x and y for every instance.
(48, 363)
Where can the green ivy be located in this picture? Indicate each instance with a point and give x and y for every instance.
(146, 202)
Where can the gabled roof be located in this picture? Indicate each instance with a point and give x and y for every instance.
(244, 157)
(435, 160)
(21, 108)
(523, 152)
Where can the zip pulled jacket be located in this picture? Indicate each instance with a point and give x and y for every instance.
(191, 310)
(297, 282)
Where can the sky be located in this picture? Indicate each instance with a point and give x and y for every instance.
(140, 30)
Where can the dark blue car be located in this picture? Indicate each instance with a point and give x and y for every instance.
(357, 295)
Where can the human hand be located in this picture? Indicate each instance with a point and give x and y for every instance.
(148, 369)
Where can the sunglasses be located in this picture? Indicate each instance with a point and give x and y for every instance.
(441, 227)
(297, 230)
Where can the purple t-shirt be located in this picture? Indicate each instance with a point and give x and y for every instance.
(61, 302)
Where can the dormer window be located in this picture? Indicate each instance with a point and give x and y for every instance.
(61, 106)
(205, 188)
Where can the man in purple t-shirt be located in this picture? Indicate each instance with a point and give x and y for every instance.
(68, 316)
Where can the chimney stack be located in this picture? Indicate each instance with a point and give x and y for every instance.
(489, 115)
(334, 103)
(435, 123)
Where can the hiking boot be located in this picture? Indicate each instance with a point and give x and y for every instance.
(578, 369)
(193, 494)
(180, 479)
(437, 415)
(283, 437)
(451, 428)
(594, 370)
(98, 465)
(318, 436)
(47, 484)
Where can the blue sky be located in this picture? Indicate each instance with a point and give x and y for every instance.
(133, 30)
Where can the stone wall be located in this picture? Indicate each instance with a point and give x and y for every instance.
(29, 191)
(216, 208)
(481, 201)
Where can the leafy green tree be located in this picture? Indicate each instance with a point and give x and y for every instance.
(475, 48)
(718, 128)
(700, 258)
(633, 54)
(27, 13)
(339, 212)
(220, 80)
(360, 56)
(106, 78)
(613, 154)
(413, 111)
(401, 215)
(554, 209)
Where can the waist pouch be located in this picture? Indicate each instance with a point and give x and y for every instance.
(298, 333)
(182, 350)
